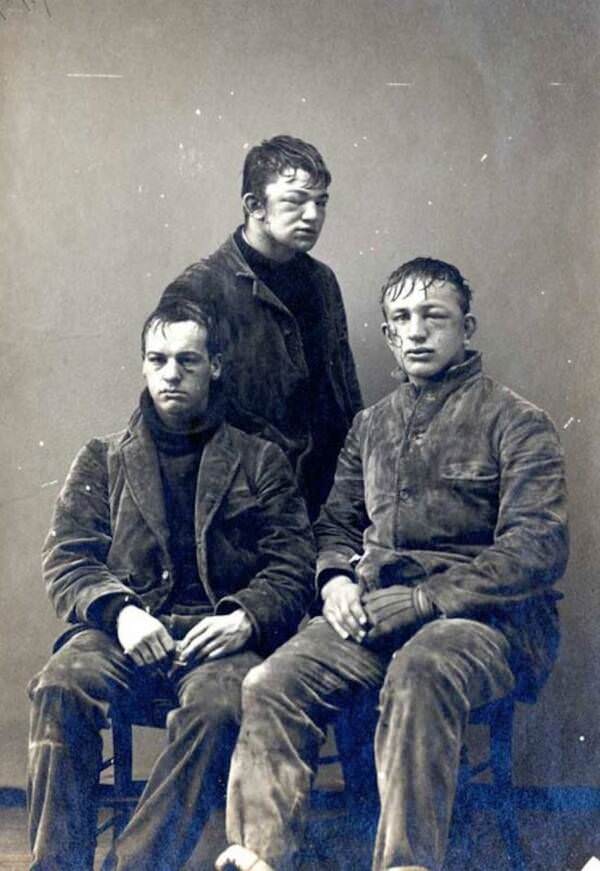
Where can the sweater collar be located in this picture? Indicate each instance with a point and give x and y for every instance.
(447, 380)
(179, 443)
(257, 261)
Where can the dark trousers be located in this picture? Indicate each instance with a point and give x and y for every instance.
(428, 688)
(70, 698)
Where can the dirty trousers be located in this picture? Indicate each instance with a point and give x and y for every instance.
(70, 699)
(428, 688)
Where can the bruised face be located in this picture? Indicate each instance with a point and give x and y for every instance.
(178, 371)
(290, 217)
(426, 329)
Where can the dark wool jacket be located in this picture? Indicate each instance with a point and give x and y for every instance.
(458, 487)
(109, 534)
(266, 368)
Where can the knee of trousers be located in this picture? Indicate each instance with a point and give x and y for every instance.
(265, 684)
(61, 697)
(418, 674)
(204, 716)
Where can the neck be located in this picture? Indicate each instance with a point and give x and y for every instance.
(255, 236)
(206, 420)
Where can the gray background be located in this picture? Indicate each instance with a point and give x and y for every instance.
(462, 130)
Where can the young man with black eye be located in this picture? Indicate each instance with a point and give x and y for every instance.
(438, 549)
(181, 554)
(292, 377)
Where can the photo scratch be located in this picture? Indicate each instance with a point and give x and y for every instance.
(94, 76)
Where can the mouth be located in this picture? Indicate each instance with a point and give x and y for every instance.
(306, 232)
(419, 353)
(172, 394)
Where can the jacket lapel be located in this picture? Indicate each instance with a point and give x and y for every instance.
(142, 472)
(219, 463)
(241, 268)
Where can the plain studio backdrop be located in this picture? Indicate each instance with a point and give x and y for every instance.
(462, 130)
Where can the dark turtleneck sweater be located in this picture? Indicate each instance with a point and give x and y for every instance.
(292, 284)
(179, 455)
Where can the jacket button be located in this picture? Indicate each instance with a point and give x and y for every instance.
(165, 575)
(404, 494)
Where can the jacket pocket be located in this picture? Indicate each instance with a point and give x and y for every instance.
(471, 471)
(472, 492)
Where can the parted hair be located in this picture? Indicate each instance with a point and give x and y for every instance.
(266, 161)
(178, 306)
(402, 280)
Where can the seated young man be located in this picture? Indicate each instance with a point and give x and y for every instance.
(181, 553)
(438, 548)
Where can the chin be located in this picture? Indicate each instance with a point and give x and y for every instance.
(303, 244)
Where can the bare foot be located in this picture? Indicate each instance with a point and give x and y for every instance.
(237, 858)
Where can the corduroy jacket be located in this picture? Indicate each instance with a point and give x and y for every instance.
(265, 365)
(255, 548)
(458, 487)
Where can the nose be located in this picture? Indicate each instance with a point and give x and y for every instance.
(171, 371)
(311, 211)
(416, 328)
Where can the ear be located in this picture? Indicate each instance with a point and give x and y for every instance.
(216, 366)
(253, 206)
(470, 324)
(385, 329)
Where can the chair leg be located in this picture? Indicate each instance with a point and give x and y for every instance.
(123, 771)
(501, 733)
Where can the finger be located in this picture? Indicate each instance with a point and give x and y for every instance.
(135, 655)
(350, 623)
(195, 630)
(224, 643)
(166, 641)
(199, 633)
(359, 612)
(158, 652)
(197, 647)
(219, 648)
(354, 631)
(141, 653)
(335, 624)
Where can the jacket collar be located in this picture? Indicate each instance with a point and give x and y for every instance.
(449, 381)
(471, 365)
(142, 472)
(218, 466)
(219, 463)
(230, 251)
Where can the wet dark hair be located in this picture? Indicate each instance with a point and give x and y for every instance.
(427, 270)
(178, 307)
(274, 156)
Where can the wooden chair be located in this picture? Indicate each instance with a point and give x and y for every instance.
(122, 794)
(359, 798)
(495, 794)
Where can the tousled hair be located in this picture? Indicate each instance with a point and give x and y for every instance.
(402, 280)
(274, 156)
(177, 307)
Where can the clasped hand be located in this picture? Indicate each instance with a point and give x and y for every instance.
(375, 615)
(148, 642)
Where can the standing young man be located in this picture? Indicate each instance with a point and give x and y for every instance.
(439, 545)
(181, 554)
(291, 375)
